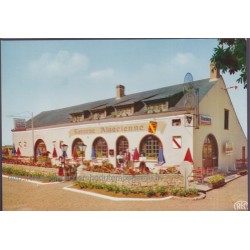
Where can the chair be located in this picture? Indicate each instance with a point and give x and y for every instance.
(198, 174)
(209, 171)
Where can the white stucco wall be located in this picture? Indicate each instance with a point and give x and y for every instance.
(165, 132)
(214, 104)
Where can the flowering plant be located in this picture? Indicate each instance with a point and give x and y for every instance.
(216, 178)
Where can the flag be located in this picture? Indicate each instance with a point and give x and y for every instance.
(18, 152)
(188, 156)
(161, 158)
(54, 154)
(75, 155)
(136, 155)
(93, 155)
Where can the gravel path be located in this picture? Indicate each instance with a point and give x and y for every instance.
(21, 195)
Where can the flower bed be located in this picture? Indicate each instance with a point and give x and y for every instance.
(140, 192)
(27, 161)
(169, 170)
(216, 181)
(107, 167)
(44, 177)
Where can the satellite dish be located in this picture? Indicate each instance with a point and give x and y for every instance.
(188, 77)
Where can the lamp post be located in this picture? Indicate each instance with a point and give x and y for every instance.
(64, 149)
(82, 148)
(64, 155)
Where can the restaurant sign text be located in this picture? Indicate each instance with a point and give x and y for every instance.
(110, 129)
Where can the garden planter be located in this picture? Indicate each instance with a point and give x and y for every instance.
(242, 172)
(216, 185)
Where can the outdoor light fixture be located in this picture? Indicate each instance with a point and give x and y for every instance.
(64, 149)
(82, 148)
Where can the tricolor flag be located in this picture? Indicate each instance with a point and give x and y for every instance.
(152, 127)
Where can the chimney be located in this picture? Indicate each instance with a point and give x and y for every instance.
(120, 91)
(214, 72)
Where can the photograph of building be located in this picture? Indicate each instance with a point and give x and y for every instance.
(107, 124)
(195, 115)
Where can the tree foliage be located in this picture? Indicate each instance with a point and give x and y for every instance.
(230, 55)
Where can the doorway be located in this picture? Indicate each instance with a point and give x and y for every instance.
(40, 149)
(210, 152)
(121, 146)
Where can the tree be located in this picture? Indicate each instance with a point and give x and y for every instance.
(230, 55)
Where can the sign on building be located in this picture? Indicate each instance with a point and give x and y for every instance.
(152, 127)
(19, 124)
(205, 120)
(228, 148)
(188, 122)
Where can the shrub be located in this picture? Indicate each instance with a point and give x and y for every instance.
(53, 177)
(192, 191)
(98, 186)
(149, 191)
(125, 190)
(117, 189)
(82, 184)
(174, 191)
(161, 190)
(110, 187)
(182, 192)
(31, 174)
(7, 170)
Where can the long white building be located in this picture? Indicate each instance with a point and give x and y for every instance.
(198, 116)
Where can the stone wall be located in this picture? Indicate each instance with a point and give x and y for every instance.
(168, 180)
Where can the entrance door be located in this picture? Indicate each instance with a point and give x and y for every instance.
(40, 149)
(210, 152)
(121, 146)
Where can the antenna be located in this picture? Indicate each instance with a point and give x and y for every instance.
(188, 78)
(189, 91)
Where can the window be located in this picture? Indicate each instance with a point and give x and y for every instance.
(176, 122)
(124, 111)
(226, 119)
(99, 115)
(100, 147)
(149, 147)
(122, 144)
(77, 118)
(156, 107)
(75, 148)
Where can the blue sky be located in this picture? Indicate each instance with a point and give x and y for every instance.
(49, 74)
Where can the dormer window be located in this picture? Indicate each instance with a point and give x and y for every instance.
(99, 115)
(77, 117)
(153, 108)
(122, 112)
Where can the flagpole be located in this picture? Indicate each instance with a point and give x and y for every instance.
(32, 128)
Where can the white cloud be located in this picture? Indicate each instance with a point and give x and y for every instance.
(100, 74)
(184, 59)
(61, 64)
(168, 72)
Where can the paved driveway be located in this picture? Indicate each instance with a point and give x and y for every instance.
(29, 196)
